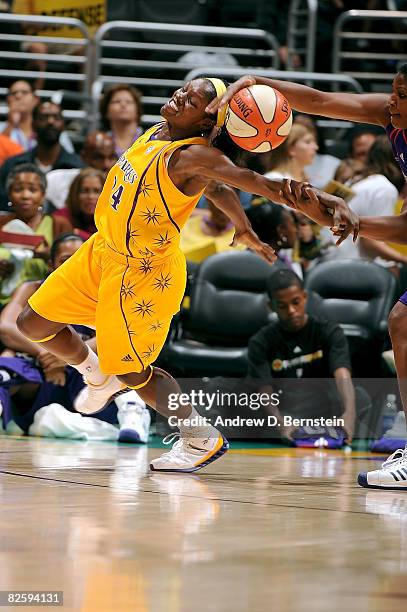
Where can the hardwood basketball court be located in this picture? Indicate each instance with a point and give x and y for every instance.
(261, 529)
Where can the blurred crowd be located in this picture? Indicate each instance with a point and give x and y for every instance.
(49, 188)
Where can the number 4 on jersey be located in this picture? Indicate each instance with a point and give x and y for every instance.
(116, 195)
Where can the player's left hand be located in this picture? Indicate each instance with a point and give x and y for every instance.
(250, 239)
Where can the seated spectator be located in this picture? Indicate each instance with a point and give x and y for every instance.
(81, 202)
(275, 225)
(312, 246)
(349, 171)
(299, 346)
(376, 193)
(25, 187)
(361, 138)
(207, 231)
(323, 167)
(37, 390)
(98, 152)
(290, 158)
(49, 154)
(21, 101)
(8, 148)
(120, 110)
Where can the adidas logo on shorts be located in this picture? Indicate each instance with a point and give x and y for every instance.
(127, 358)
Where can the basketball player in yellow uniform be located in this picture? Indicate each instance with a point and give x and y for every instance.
(128, 279)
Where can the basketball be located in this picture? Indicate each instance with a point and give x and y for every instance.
(259, 118)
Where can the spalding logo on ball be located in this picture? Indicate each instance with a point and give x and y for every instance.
(259, 118)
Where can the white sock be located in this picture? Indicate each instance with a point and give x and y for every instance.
(90, 369)
(199, 428)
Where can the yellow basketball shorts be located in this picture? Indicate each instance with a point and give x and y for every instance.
(130, 302)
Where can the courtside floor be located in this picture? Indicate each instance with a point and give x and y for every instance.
(261, 529)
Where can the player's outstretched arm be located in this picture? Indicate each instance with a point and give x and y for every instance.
(225, 198)
(212, 164)
(365, 108)
(389, 229)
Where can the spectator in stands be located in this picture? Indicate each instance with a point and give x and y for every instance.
(376, 193)
(120, 110)
(299, 346)
(8, 148)
(21, 101)
(207, 231)
(81, 202)
(26, 190)
(49, 154)
(34, 380)
(290, 158)
(313, 245)
(322, 169)
(361, 138)
(98, 152)
(275, 225)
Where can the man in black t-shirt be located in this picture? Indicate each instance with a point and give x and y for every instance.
(299, 346)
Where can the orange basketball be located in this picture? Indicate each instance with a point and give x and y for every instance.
(259, 118)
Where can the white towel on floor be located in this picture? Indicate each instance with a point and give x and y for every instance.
(54, 421)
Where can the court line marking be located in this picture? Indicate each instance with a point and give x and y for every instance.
(219, 499)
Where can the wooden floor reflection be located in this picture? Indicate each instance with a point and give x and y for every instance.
(259, 530)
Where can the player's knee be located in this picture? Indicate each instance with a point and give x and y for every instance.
(398, 321)
(26, 324)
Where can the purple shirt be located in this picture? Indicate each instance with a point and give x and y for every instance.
(398, 140)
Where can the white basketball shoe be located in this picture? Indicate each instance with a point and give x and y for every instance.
(93, 398)
(190, 454)
(134, 418)
(392, 475)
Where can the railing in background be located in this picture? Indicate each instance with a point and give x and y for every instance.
(374, 64)
(67, 70)
(157, 56)
(301, 33)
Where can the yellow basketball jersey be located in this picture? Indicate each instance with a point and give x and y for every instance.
(140, 211)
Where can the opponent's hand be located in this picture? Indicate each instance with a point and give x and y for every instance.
(345, 221)
(250, 239)
(245, 81)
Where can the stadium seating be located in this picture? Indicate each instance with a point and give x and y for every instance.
(228, 306)
(358, 295)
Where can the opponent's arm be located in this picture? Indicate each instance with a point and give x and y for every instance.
(365, 108)
(389, 229)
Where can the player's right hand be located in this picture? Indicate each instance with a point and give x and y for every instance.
(245, 81)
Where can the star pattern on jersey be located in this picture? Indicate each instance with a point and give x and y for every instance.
(126, 290)
(134, 234)
(146, 188)
(155, 326)
(151, 216)
(150, 350)
(144, 308)
(162, 282)
(145, 265)
(162, 240)
(146, 252)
